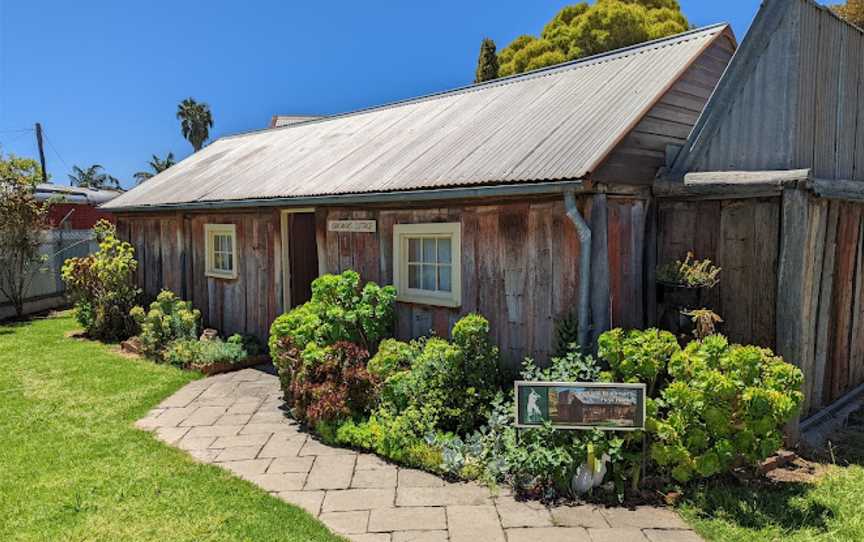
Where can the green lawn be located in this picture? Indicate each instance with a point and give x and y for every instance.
(72, 466)
(831, 509)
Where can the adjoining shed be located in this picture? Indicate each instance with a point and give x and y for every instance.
(774, 171)
(459, 198)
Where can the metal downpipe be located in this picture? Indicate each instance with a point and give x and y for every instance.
(584, 309)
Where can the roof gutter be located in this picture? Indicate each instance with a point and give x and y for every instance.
(404, 197)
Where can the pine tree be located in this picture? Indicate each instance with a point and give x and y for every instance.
(487, 63)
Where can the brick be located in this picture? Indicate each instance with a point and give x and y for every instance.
(290, 464)
(451, 494)
(204, 456)
(473, 523)
(269, 417)
(279, 482)
(214, 431)
(346, 522)
(171, 435)
(307, 500)
(182, 398)
(616, 535)
(644, 517)
(418, 478)
(358, 499)
(371, 462)
(579, 516)
(551, 534)
(331, 472)
(671, 535)
(406, 519)
(247, 468)
(313, 447)
(240, 440)
(378, 478)
(522, 514)
(420, 536)
(369, 537)
(195, 443)
(283, 445)
(237, 453)
(243, 407)
(233, 419)
(205, 415)
(173, 416)
(268, 428)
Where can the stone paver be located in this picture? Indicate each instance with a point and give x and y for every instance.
(473, 523)
(236, 421)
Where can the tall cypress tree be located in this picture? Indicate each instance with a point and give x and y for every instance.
(487, 63)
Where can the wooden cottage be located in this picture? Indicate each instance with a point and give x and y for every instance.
(773, 178)
(459, 199)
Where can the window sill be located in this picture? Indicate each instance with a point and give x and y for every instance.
(223, 276)
(429, 300)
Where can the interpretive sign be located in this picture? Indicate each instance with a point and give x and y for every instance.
(352, 226)
(576, 405)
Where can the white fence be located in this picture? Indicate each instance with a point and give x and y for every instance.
(47, 290)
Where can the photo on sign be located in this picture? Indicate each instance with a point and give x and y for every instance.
(576, 406)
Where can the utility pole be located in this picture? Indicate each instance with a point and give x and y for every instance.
(41, 151)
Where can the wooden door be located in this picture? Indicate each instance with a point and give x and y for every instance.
(302, 256)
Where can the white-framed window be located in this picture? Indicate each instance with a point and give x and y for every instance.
(427, 263)
(221, 250)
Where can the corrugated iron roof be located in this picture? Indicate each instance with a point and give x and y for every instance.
(551, 124)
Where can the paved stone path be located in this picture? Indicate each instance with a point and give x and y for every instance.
(235, 421)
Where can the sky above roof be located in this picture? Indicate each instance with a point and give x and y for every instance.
(104, 78)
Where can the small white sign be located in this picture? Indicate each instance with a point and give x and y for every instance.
(352, 226)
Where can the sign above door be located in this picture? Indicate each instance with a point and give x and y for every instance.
(352, 226)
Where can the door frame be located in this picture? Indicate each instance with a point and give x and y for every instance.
(286, 253)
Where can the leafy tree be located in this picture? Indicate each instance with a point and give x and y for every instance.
(487, 63)
(93, 177)
(158, 165)
(23, 218)
(581, 30)
(195, 122)
(852, 11)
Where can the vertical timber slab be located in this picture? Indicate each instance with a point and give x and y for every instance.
(470, 236)
(513, 228)
(791, 279)
(823, 369)
(843, 295)
(650, 263)
(600, 321)
(735, 254)
(856, 356)
(763, 271)
(321, 242)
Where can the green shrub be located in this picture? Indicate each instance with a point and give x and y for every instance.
(455, 380)
(725, 406)
(250, 343)
(196, 354)
(334, 388)
(339, 311)
(636, 355)
(102, 286)
(393, 356)
(169, 319)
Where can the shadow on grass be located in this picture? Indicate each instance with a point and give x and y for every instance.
(764, 505)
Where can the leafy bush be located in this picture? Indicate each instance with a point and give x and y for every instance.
(725, 406)
(455, 380)
(102, 286)
(339, 311)
(334, 388)
(393, 356)
(169, 319)
(691, 273)
(197, 354)
(637, 356)
(250, 343)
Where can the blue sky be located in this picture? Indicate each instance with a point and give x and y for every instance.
(105, 77)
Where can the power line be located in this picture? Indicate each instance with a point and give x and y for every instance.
(53, 148)
(18, 130)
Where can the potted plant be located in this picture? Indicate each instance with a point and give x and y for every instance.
(682, 286)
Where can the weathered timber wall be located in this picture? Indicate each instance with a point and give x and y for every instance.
(740, 236)
(170, 252)
(519, 267)
(820, 311)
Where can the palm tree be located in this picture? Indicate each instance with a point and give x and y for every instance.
(195, 122)
(158, 165)
(93, 177)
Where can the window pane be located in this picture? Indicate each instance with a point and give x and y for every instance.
(229, 259)
(414, 277)
(428, 250)
(414, 250)
(443, 250)
(219, 243)
(428, 278)
(217, 261)
(444, 278)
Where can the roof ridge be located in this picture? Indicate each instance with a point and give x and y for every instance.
(510, 79)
